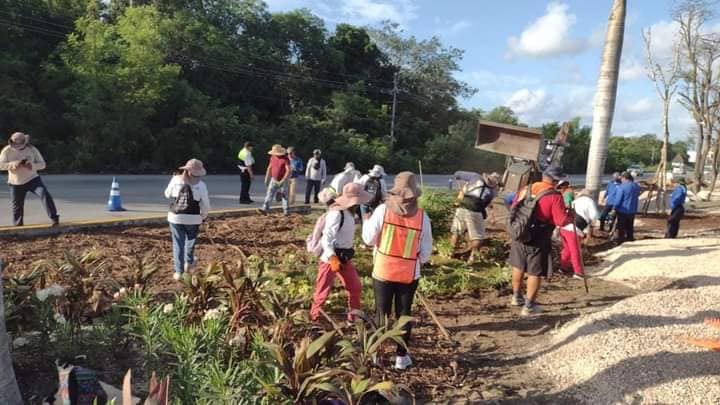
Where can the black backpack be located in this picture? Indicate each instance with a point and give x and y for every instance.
(373, 187)
(185, 202)
(521, 221)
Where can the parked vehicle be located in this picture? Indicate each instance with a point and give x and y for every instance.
(636, 171)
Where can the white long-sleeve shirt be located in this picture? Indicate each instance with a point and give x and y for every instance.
(10, 159)
(319, 174)
(342, 179)
(200, 194)
(372, 229)
(586, 208)
(334, 236)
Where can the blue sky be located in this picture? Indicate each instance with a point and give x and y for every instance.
(539, 57)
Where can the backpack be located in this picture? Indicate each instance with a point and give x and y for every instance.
(312, 243)
(521, 221)
(185, 202)
(373, 187)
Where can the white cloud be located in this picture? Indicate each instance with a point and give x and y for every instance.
(449, 29)
(549, 35)
(642, 106)
(374, 11)
(664, 36)
(632, 70)
(486, 78)
(360, 12)
(526, 101)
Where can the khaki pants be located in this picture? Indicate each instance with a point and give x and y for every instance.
(292, 191)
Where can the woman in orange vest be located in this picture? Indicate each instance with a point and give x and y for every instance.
(402, 236)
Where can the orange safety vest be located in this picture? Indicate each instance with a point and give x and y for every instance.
(397, 252)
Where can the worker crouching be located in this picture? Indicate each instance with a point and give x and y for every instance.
(337, 250)
(402, 236)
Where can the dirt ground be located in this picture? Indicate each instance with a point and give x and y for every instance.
(486, 363)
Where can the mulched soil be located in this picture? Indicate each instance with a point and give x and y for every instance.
(486, 361)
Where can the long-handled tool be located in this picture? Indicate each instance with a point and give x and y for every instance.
(434, 317)
(580, 254)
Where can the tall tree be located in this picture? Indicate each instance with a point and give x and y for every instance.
(698, 92)
(605, 96)
(665, 75)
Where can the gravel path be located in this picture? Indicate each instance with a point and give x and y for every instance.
(633, 352)
(693, 260)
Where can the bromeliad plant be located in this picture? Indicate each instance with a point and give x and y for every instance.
(307, 366)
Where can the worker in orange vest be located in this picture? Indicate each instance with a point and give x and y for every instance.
(402, 236)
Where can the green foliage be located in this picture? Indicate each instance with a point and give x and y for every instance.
(439, 205)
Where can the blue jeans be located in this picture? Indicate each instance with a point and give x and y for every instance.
(273, 188)
(183, 237)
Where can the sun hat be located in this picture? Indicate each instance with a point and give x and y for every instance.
(377, 171)
(405, 186)
(194, 167)
(19, 139)
(492, 180)
(277, 150)
(554, 172)
(563, 183)
(353, 194)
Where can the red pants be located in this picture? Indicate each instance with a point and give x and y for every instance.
(324, 283)
(570, 255)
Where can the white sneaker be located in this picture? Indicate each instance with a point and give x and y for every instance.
(402, 362)
(189, 267)
(177, 276)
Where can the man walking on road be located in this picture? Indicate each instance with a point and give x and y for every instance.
(316, 174)
(246, 164)
(296, 166)
(677, 207)
(22, 162)
(276, 177)
(609, 197)
(627, 199)
(533, 257)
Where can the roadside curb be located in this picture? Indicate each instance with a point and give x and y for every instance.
(77, 226)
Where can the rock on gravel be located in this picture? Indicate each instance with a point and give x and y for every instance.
(633, 352)
(691, 259)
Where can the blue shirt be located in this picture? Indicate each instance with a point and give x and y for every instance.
(611, 191)
(510, 198)
(627, 197)
(677, 198)
(296, 164)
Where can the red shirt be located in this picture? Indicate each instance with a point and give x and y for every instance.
(550, 209)
(278, 167)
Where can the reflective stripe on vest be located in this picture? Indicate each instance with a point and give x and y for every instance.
(397, 252)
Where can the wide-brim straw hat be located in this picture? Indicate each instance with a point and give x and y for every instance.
(277, 150)
(377, 171)
(405, 186)
(195, 167)
(353, 194)
(19, 139)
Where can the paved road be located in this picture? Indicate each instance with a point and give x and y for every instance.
(84, 197)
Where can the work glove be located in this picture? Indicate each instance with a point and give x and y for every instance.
(335, 263)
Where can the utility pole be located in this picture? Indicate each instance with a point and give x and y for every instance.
(394, 106)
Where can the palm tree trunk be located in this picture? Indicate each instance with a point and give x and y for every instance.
(605, 97)
(9, 391)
